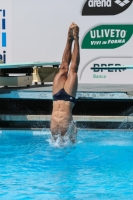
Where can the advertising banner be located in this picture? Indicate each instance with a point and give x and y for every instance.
(105, 7)
(39, 31)
(107, 36)
(108, 70)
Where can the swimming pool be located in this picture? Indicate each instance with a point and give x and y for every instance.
(98, 166)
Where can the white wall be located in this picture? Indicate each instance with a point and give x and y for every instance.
(39, 29)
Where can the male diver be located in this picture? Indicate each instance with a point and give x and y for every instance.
(65, 87)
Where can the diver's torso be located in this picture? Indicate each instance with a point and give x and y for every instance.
(62, 111)
(61, 115)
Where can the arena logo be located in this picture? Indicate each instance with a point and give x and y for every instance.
(105, 7)
(3, 35)
(107, 36)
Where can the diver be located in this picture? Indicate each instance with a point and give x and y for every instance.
(65, 87)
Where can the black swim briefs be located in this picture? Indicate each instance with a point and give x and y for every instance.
(62, 95)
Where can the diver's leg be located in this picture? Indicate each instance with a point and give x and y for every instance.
(72, 81)
(61, 77)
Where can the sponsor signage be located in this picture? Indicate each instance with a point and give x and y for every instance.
(98, 34)
(105, 7)
(107, 36)
(108, 70)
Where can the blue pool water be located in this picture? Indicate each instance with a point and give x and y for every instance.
(99, 166)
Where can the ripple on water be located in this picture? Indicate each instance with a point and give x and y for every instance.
(98, 166)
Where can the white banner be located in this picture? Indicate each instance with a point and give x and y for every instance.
(108, 70)
(39, 29)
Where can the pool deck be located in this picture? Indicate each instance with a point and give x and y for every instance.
(85, 92)
(47, 118)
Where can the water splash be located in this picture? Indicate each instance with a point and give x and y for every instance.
(124, 125)
(60, 141)
(68, 139)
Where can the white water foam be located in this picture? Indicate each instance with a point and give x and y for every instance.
(68, 139)
(60, 141)
(128, 112)
(116, 143)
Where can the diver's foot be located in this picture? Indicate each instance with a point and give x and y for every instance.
(70, 33)
(75, 31)
(70, 36)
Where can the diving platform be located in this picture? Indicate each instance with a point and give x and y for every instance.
(24, 74)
